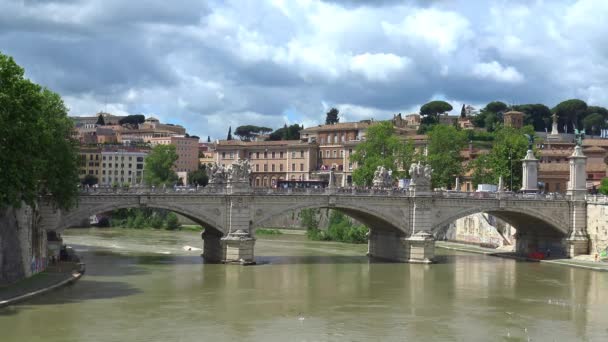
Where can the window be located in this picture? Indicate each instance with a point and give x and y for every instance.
(293, 154)
(250, 155)
(140, 166)
(103, 172)
(231, 155)
(293, 167)
(265, 154)
(301, 154)
(90, 172)
(104, 158)
(281, 155)
(272, 155)
(272, 167)
(103, 165)
(335, 154)
(130, 158)
(130, 165)
(223, 155)
(327, 154)
(320, 154)
(350, 151)
(257, 155)
(341, 153)
(257, 167)
(322, 140)
(301, 167)
(140, 159)
(265, 167)
(110, 157)
(281, 167)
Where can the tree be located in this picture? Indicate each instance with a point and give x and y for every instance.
(159, 165)
(431, 110)
(198, 177)
(208, 138)
(37, 154)
(100, 120)
(496, 107)
(249, 132)
(538, 115)
(286, 133)
(604, 186)
(444, 146)
(463, 112)
(490, 116)
(132, 120)
(570, 113)
(90, 180)
(381, 148)
(331, 117)
(229, 137)
(594, 123)
(509, 148)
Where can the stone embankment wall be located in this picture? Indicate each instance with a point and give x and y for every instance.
(480, 229)
(292, 220)
(597, 225)
(22, 244)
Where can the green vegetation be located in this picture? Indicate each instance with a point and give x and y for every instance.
(604, 186)
(445, 144)
(249, 132)
(263, 231)
(381, 148)
(504, 159)
(340, 228)
(286, 133)
(37, 154)
(538, 115)
(133, 120)
(571, 113)
(199, 177)
(90, 180)
(159, 165)
(140, 218)
(331, 117)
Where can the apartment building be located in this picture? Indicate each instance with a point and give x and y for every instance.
(122, 165)
(186, 148)
(89, 162)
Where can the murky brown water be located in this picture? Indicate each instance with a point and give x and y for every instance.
(145, 286)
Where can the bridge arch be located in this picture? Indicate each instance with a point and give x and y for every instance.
(371, 218)
(80, 214)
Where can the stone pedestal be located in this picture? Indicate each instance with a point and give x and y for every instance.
(213, 250)
(238, 248)
(530, 173)
(577, 184)
(238, 187)
(576, 246)
(421, 248)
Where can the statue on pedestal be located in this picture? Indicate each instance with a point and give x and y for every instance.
(421, 177)
(382, 178)
(218, 175)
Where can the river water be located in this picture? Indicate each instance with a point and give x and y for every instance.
(147, 286)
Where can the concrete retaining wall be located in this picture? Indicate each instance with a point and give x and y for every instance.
(597, 226)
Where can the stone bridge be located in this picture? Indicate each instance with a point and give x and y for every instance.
(401, 223)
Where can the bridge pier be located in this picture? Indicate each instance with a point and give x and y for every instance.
(213, 250)
(387, 245)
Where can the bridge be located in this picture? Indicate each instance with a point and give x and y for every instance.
(402, 223)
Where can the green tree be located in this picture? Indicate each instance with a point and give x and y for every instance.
(100, 120)
(198, 177)
(444, 146)
(37, 154)
(159, 165)
(594, 123)
(132, 120)
(286, 133)
(381, 148)
(172, 222)
(248, 132)
(571, 113)
(496, 107)
(208, 138)
(90, 180)
(509, 148)
(538, 115)
(604, 186)
(229, 137)
(331, 117)
(431, 110)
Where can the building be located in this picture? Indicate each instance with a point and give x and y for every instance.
(152, 123)
(122, 165)
(206, 153)
(186, 148)
(89, 162)
(270, 161)
(513, 119)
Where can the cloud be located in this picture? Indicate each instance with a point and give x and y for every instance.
(494, 71)
(207, 65)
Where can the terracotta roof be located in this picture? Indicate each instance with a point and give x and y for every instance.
(222, 143)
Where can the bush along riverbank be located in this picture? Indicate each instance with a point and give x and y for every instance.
(142, 218)
(339, 229)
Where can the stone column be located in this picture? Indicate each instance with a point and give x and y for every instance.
(421, 244)
(238, 244)
(577, 185)
(213, 250)
(530, 173)
(577, 242)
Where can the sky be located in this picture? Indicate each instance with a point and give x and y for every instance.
(209, 65)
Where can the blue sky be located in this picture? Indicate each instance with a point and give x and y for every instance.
(210, 65)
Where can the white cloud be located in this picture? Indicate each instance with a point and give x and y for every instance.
(494, 71)
(378, 66)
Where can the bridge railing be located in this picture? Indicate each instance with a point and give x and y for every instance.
(599, 199)
(346, 191)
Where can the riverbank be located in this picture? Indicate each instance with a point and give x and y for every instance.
(580, 263)
(55, 276)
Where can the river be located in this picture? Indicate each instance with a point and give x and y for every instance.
(143, 285)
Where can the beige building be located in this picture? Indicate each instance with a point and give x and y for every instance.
(89, 162)
(270, 161)
(513, 119)
(152, 123)
(122, 165)
(186, 148)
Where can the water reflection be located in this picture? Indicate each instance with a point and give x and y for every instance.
(307, 291)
